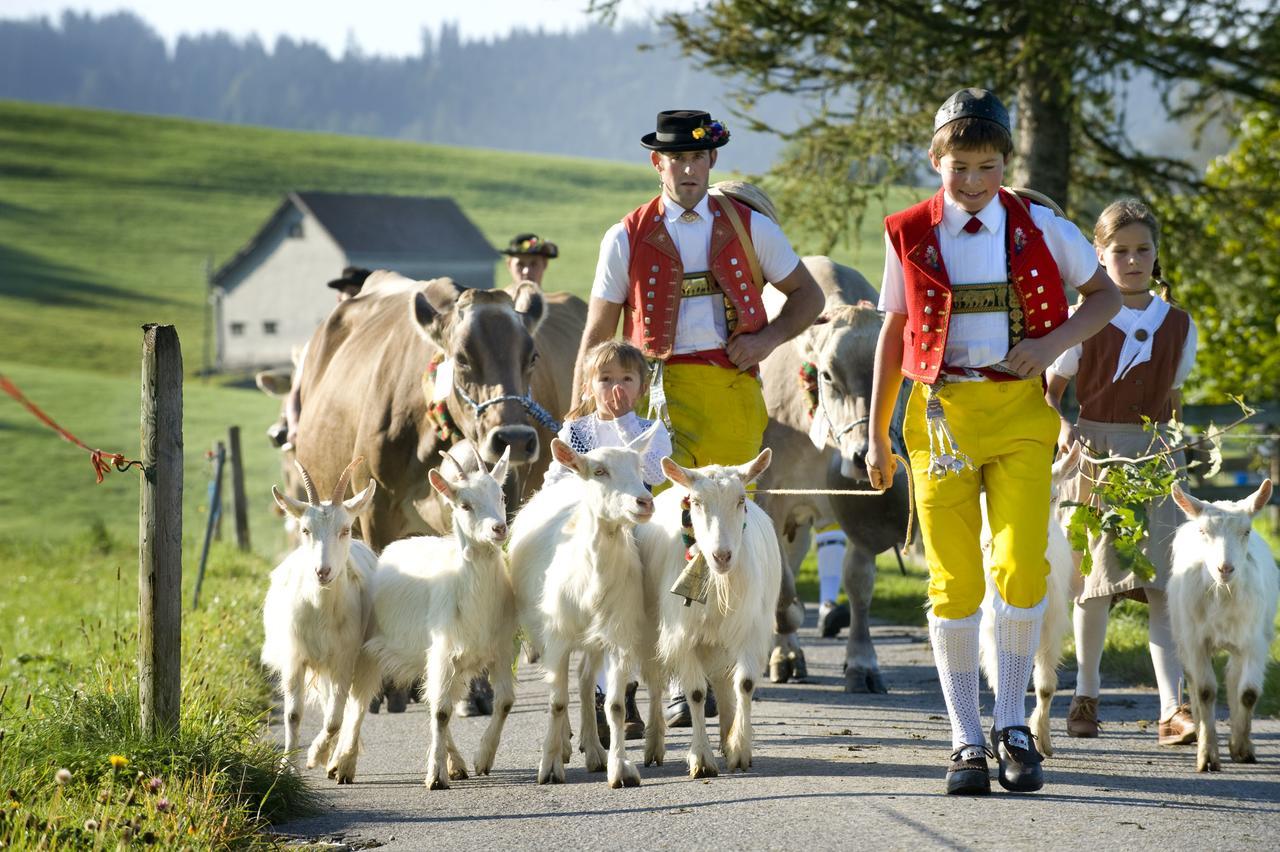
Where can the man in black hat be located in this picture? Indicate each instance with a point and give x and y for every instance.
(349, 283)
(528, 256)
(684, 273)
(974, 313)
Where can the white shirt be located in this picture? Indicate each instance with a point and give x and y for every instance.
(700, 323)
(591, 432)
(1068, 363)
(982, 339)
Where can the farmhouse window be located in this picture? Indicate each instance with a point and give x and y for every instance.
(269, 327)
(295, 230)
(237, 329)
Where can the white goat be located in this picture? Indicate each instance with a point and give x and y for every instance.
(1223, 591)
(315, 616)
(725, 642)
(578, 581)
(1057, 610)
(448, 601)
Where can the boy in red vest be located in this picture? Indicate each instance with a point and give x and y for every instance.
(684, 273)
(974, 313)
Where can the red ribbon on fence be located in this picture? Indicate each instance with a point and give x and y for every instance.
(102, 460)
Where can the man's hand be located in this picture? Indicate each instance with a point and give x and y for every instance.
(1031, 356)
(881, 464)
(1068, 434)
(748, 349)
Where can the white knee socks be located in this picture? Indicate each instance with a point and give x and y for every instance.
(1017, 639)
(955, 651)
(1164, 655)
(1090, 620)
(831, 546)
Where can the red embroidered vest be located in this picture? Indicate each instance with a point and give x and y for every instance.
(1037, 282)
(655, 273)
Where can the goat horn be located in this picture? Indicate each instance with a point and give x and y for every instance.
(475, 455)
(340, 490)
(312, 497)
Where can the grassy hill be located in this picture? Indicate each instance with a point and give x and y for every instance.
(107, 221)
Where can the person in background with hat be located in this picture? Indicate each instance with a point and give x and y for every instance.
(975, 312)
(348, 286)
(684, 274)
(528, 256)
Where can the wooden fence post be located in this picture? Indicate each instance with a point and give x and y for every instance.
(238, 504)
(160, 532)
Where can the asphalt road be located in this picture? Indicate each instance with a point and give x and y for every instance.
(830, 770)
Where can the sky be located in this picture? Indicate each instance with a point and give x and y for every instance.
(383, 27)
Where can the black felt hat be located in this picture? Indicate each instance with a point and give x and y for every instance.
(686, 130)
(352, 276)
(972, 103)
(531, 244)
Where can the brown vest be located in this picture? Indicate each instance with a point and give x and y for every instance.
(1146, 390)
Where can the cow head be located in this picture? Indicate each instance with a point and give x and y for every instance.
(842, 347)
(486, 338)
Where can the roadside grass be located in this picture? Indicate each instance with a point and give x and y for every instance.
(1126, 659)
(68, 641)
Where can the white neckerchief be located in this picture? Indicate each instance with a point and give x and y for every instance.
(1135, 351)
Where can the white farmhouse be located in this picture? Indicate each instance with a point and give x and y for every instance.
(272, 295)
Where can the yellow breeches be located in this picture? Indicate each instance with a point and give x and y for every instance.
(1009, 432)
(718, 415)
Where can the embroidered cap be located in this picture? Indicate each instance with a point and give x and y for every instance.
(972, 103)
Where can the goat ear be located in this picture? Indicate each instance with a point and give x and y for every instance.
(499, 471)
(1255, 501)
(749, 472)
(1067, 466)
(677, 474)
(1190, 506)
(642, 441)
(290, 505)
(357, 504)
(563, 453)
(440, 484)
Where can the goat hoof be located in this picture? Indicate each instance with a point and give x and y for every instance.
(437, 783)
(1244, 755)
(459, 774)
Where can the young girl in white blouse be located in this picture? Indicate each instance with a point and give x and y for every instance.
(613, 377)
(1132, 369)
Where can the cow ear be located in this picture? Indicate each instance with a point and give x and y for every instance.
(529, 304)
(274, 383)
(427, 321)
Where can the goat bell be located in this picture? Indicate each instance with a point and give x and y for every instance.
(693, 581)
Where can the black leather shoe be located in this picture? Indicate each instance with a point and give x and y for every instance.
(602, 718)
(1015, 749)
(832, 618)
(710, 707)
(677, 712)
(634, 724)
(968, 775)
(479, 700)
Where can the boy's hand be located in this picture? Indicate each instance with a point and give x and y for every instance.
(1031, 356)
(881, 465)
(1068, 434)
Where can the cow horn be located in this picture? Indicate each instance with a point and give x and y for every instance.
(340, 490)
(312, 497)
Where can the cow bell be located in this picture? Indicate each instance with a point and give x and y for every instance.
(693, 582)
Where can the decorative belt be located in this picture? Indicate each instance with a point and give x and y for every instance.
(699, 284)
(982, 298)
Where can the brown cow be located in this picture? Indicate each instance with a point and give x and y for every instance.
(841, 346)
(365, 386)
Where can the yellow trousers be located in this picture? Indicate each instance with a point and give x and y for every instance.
(1009, 432)
(718, 415)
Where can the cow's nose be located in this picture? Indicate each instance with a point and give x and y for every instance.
(522, 440)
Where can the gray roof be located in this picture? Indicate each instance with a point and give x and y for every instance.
(404, 226)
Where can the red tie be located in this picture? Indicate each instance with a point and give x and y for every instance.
(973, 226)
